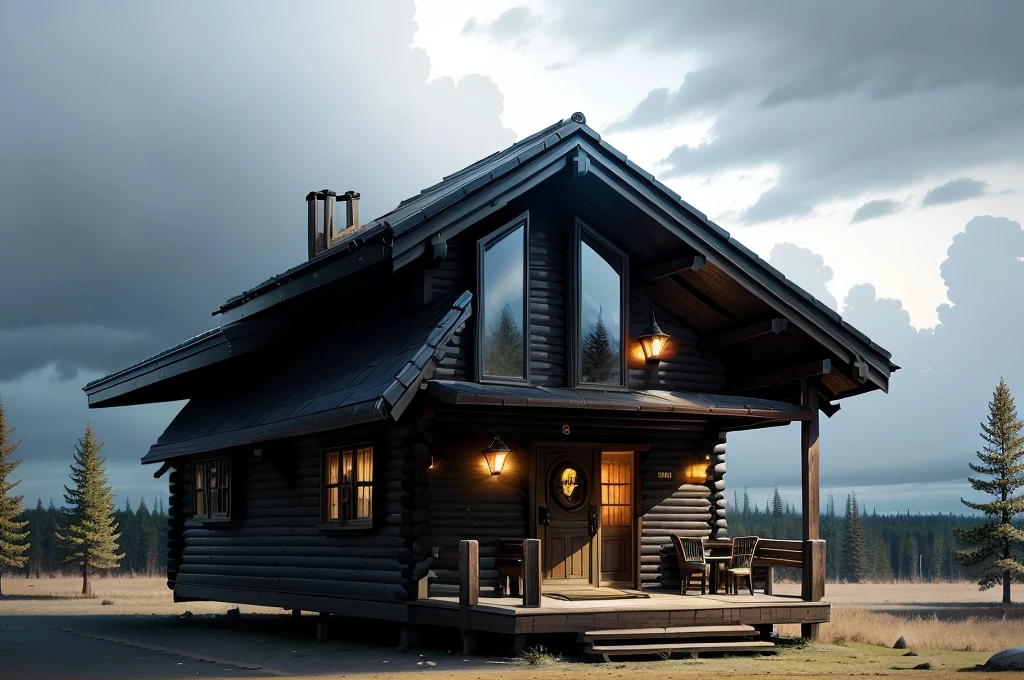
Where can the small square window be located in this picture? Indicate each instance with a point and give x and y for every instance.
(348, 486)
(211, 486)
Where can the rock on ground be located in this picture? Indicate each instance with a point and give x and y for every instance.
(1008, 660)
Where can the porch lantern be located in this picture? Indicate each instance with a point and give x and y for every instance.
(495, 455)
(653, 340)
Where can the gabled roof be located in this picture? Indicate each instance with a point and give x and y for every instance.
(343, 379)
(463, 198)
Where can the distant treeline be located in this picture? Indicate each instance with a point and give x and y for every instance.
(864, 547)
(143, 540)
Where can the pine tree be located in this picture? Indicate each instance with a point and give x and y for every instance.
(504, 350)
(998, 544)
(12, 529)
(881, 568)
(598, 361)
(90, 539)
(777, 503)
(746, 502)
(935, 563)
(854, 558)
(148, 540)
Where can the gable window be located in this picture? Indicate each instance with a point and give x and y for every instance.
(211, 484)
(348, 486)
(600, 310)
(502, 335)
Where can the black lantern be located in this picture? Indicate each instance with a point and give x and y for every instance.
(653, 340)
(495, 455)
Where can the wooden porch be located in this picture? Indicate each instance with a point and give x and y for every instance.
(508, 615)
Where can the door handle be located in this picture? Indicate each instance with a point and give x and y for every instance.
(544, 516)
(592, 522)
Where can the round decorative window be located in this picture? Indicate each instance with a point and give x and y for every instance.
(569, 485)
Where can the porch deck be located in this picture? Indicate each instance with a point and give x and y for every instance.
(508, 615)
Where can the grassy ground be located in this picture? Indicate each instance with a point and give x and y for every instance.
(950, 627)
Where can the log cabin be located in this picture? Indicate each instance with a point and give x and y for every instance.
(527, 372)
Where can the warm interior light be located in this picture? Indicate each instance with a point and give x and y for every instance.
(653, 340)
(696, 473)
(495, 455)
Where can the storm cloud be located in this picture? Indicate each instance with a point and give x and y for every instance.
(155, 160)
(842, 99)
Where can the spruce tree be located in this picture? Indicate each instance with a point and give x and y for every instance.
(997, 545)
(90, 539)
(746, 502)
(12, 529)
(881, 568)
(504, 348)
(854, 559)
(598, 360)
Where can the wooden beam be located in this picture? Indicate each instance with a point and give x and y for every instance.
(783, 375)
(659, 271)
(828, 408)
(738, 335)
(810, 451)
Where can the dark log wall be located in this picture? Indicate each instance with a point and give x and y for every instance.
(466, 502)
(277, 548)
(671, 506)
(176, 509)
(548, 312)
(684, 367)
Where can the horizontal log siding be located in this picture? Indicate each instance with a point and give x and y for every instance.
(176, 509)
(446, 279)
(683, 366)
(721, 524)
(466, 502)
(277, 548)
(548, 313)
(671, 506)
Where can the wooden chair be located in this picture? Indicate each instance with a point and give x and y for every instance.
(740, 563)
(690, 558)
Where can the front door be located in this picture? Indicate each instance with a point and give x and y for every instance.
(568, 514)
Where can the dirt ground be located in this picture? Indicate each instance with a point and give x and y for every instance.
(48, 631)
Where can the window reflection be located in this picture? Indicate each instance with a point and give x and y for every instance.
(502, 319)
(600, 315)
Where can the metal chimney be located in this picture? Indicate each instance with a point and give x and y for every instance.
(322, 229)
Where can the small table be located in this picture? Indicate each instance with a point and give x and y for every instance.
(716, 562)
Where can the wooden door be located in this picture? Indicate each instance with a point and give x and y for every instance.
(568, 514)
(617, 518)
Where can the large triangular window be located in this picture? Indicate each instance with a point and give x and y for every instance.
(600, 310)
(502, 333)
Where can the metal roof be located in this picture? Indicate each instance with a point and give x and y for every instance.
(341, 380)
(640, 401)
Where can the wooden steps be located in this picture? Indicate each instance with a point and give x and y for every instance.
(666, 641)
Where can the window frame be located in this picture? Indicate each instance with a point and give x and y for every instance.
(352, 486)
(575, 340)
(201, 487)
(481, 319)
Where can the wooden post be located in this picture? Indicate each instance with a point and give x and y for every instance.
(323, 627)
(809, 464)
(469, 590)
(531, 572)
(812, 586)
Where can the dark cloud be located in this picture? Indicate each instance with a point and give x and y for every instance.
(954, 191)
(154, 163)
(513, 24)
(875, 209)
(842, 98)
(804, 268)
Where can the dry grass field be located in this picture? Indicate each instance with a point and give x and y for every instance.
(950, 627)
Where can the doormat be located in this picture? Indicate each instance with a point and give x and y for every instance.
(576, 594)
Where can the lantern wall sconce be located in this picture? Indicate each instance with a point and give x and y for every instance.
(495, 455)
(653, 340)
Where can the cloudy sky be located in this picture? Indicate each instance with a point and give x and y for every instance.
(154, 160)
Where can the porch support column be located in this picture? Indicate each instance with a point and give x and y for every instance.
(813, 576)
